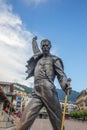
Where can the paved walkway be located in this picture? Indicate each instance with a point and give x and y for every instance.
(44, 124)
(75, 125)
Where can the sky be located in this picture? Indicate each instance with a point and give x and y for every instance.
(63, 22)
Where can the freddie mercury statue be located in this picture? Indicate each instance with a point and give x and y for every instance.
(44, 67)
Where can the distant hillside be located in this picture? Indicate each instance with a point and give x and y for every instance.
(23, 88)
(72, 96)
(61, 94)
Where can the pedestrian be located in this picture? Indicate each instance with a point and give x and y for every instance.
(6, 109)
(19, 113)
(11, 118)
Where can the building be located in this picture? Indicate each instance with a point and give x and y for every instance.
(81, 100)
(6, 93)
(21, 96)
(70, 106)
(12, 94)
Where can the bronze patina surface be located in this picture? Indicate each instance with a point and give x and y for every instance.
(44, 67)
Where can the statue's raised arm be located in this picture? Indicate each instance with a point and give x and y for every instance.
(32, 61)
(35, 47)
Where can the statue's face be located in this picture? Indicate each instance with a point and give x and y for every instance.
(45, 46)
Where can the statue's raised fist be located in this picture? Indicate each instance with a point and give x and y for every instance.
(35, 38)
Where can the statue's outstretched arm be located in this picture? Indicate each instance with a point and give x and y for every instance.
(35, 47)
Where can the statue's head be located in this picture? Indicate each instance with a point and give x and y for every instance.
(45, 46)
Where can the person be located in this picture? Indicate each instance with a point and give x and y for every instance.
(19, 113)
(11, 118)
(44, 67)
(6, 109)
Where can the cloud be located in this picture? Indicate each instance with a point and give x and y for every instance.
(35, 2)
(15, 46)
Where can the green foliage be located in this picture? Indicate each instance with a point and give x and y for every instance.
(82, 114)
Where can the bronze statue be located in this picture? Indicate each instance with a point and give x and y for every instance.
(44, 67)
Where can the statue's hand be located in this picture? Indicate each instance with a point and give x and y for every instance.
(35, 38)
(68, 89)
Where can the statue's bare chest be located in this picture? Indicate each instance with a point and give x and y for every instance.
(44, 65)
(45, 62)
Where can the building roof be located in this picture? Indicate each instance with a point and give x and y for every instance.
(5, 83)
(82, 93)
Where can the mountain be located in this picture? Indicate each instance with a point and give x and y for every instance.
(61, 94)
(23, 88)
(72, 97)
